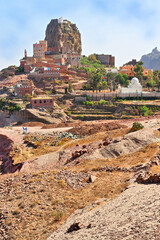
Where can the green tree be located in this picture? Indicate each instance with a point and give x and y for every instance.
(127, 83)
(97, 75)
(70, 88)
(93, 58)
(66, 90)
(125, 76)
(120, 79)
(138, 71)
(27, 97)
(111, 77)
(104, 85)
(145, 111)
(156, 78)
(151, 83)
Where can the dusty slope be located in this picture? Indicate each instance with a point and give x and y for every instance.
(132, 215)
(127, 144)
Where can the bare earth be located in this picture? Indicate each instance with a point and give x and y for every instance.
(133, 215)
(54, 184)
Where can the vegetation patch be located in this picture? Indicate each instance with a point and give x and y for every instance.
(136, 126)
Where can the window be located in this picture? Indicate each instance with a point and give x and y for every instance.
(35, 101)
(40, 101)
(50, 100)
(44, 101)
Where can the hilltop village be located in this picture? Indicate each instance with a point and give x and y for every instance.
(57, 70)
(79, 143)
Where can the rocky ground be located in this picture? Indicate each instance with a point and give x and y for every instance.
(63, 172)
(133, 215)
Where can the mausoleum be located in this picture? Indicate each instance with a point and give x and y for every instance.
(134, 87)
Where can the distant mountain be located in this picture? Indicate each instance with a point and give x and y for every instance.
(152, 60)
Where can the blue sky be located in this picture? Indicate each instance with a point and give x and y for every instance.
(124, 28)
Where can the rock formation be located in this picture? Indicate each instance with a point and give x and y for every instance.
(152, 60)
(63, 37)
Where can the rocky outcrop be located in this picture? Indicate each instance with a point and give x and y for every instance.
(129, 143)
(152, 60)
(6, 163)
(63, 37)
(32, 115)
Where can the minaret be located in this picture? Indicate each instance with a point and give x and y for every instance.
(25, 53)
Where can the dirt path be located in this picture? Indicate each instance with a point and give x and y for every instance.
(16, 133)
(40, 130)
(13, 135)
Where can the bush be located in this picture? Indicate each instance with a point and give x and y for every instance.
(69, 113)
(145, 111)
(136, 126)
(57, 215)
(7, 105)
(102, 102)
(87, 103)
(81, 117)
(88, 97)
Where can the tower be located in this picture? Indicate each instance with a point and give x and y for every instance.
(25, 53)
(60, 20)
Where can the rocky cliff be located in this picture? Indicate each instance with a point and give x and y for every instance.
(152, 60)
(63, 37)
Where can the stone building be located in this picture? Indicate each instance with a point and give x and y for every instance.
(107, 60)
(74, 59)
(42, 102)
(132, 62)
(22, 88)
(39, 49)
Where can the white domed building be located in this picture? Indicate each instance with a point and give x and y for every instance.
(134, 87)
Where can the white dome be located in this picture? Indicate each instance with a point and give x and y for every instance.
(134, 80)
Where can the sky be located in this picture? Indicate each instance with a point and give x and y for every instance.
(126, 29)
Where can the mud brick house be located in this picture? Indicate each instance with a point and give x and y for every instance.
(22, 88)
(129, 70)
(39, 49)
(42, 102)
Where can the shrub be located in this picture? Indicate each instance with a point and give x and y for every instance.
(102, 102)
(81, 117)
(69, 113)
(16, 212)
(136, 126)
(87, 103)
(88, 97)
(7, 105)
(62, 183)
(145, 111)
(57, 215)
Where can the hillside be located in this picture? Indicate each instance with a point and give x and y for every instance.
(58, 175)
(132, 215)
